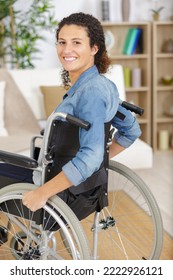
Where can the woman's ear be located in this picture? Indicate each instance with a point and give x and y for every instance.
(94, 50)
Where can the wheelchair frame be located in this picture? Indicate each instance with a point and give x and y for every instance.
(78, 243)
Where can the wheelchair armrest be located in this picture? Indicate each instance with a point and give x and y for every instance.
(18, 160)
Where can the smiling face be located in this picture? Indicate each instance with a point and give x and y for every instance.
(74, 51)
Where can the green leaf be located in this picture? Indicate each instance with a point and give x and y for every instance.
(27, 26)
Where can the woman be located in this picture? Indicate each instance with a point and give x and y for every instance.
(92, 97)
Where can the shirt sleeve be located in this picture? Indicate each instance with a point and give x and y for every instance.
(90, 155)
(128, 129)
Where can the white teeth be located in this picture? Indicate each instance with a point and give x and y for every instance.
(69, 58)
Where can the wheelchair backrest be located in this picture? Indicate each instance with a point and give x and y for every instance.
(63, 144)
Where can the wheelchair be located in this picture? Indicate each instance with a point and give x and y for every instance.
(127, 225)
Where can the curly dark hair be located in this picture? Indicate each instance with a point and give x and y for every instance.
(96, 35)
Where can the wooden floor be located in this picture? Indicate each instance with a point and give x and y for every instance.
(127, 207)
(160, 181)
(167, 251)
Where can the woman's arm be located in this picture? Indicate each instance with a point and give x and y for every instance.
(115, 149)
(128, 129)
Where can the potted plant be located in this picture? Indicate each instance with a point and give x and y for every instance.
(20, 32)
(156, 13)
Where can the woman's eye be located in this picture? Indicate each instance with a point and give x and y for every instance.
(77, 42)
(60, 43)
(63, 43)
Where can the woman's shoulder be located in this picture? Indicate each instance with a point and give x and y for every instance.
(99, 90)
(98, 84)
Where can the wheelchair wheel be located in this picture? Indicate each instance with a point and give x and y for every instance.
(39, 235)
(131, 226)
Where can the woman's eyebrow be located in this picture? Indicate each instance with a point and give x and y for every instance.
(75, 38)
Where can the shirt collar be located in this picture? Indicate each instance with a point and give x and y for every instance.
(82, 78)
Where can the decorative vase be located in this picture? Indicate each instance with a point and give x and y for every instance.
(105, 6)
(156, 17)
(163, 140)
(168, 46)
(125, 9)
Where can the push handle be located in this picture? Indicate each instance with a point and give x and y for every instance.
(133, 108)
(78, 122)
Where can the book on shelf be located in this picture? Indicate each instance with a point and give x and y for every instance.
(133, 38)
(140, 45)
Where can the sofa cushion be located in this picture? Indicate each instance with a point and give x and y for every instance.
(29, 81)
(116, 75)
(18, 117)
(130, 157)
(53, 95)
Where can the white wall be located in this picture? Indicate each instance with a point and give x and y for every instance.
(140, 10)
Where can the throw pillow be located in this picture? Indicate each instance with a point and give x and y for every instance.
(53, 95)
(18, 116)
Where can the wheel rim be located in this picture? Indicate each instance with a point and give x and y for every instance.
(73, 239)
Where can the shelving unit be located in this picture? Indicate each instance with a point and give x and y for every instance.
(162, 65)
(140, 96)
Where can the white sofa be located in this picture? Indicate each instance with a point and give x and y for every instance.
(29, 106)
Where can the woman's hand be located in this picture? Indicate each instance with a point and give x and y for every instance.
(34, 200)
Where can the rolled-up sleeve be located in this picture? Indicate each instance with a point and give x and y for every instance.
(128, 129)
(72, 173)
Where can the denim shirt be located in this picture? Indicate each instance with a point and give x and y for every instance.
(95, 98)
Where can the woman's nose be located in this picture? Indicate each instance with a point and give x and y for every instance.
(67, 47)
